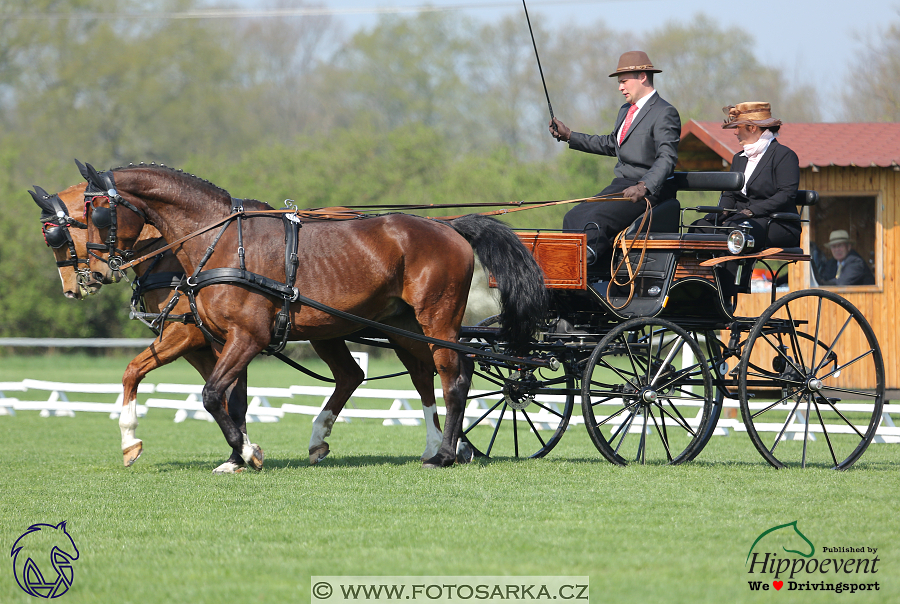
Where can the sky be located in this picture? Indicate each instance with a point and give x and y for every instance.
(810, 40)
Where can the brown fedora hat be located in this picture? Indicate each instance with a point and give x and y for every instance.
(753, 112)
(634, 60)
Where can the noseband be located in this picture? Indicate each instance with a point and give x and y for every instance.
(106, 218)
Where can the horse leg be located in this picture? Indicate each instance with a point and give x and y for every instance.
(231, 365)
(347, 377)
(204, 360)
(176, 341)
(455, 373)
(422, 376)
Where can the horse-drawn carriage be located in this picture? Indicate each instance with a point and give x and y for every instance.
(651, 351)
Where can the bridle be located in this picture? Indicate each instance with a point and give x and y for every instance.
(105, 218)
(55, 225)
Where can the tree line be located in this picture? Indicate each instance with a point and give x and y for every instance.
(425, 108)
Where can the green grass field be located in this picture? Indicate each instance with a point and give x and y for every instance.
(167, 530)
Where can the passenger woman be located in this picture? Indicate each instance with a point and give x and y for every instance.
(771, 180)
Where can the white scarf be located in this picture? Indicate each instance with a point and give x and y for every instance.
(754, 153)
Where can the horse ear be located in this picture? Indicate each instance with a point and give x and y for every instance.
(43, 201)
(41, 192)
(93, 177)
(82, 169)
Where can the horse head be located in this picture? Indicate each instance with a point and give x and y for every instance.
(67, 237)
(112, 234)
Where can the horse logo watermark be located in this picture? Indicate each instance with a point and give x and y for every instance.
(43, 560)
(782, 557)
(788, 536)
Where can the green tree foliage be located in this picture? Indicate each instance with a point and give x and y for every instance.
(706, 67)
(877, 69)
(425, 109)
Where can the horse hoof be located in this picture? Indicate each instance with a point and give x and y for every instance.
(229, 467)
(255, 457)
(437, 462)
(130, 454)
(464, 452)
(318, 453)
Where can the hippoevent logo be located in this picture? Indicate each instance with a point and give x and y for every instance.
(782, 557)
(42, 560)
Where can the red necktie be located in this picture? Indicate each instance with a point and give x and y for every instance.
(631, 111)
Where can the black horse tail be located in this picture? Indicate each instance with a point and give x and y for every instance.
(523, 297)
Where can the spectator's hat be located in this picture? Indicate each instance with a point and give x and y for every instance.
(754, 112)
(837, 237)
(634, 60)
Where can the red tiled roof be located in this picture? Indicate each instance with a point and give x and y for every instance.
(863, 145)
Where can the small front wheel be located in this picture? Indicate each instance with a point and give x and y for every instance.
(516, 411)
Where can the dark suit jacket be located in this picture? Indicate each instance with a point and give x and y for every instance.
(772, 186)
(650, 148)
(854, 271)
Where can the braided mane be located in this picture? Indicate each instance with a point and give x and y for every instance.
(167, 169)
(205, 183)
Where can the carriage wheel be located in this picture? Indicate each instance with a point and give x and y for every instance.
(639, 404)
(811, 381)
(517, 412)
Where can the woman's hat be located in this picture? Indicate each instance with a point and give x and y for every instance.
(634, 60)
(838, 236)
(754, 112)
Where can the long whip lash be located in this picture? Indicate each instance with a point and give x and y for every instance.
(533, 43)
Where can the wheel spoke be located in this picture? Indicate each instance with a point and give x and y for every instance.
(533, 429)
(486, 413)
(843, 417)
(825, 432)
(663, 434)
(784, 428)
(496, 429)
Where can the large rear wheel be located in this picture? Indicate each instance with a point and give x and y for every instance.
(811, 382)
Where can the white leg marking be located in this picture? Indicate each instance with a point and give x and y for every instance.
(433, 436)
(321, 428)
(128, 424)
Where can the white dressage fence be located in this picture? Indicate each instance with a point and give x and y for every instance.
(398, 407)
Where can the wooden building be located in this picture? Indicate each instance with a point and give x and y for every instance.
(856, 170)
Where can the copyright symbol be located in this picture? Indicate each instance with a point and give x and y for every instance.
(322, 590)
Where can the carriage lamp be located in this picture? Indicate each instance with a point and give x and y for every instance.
(739, 242)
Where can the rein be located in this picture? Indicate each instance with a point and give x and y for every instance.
(626, 260)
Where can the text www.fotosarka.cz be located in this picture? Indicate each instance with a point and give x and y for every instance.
(531, 589)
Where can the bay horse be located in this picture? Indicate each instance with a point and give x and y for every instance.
(155, 280)
(399, 270)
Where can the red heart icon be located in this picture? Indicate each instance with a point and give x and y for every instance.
(778, 584)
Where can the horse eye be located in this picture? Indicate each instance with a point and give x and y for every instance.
(55, 236)
(101, 218)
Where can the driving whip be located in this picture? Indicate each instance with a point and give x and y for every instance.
(538, 59)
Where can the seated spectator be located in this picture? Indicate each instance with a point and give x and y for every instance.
(846, 267)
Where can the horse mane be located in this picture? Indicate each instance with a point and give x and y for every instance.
(211, 187)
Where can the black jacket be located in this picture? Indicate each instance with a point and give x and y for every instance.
(772, 186)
